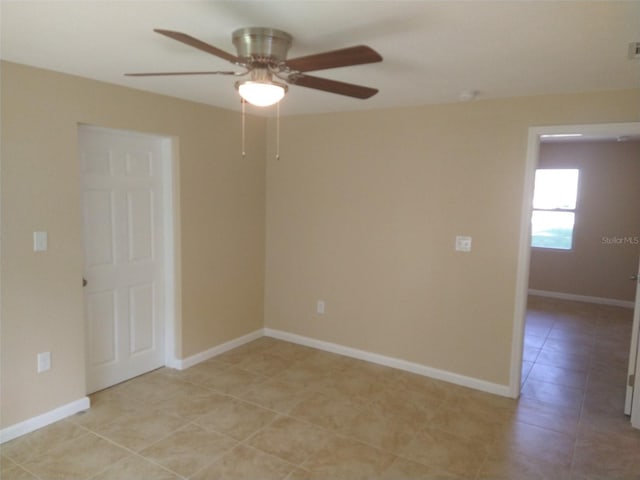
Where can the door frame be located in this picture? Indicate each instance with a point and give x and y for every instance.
(629, 405)
(524, 241)
(635, 401)
(171, 236)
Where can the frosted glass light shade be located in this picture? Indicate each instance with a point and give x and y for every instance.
(261, 94)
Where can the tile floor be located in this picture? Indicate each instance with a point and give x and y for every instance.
(274, 410)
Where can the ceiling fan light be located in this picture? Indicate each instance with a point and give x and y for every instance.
(261, 94)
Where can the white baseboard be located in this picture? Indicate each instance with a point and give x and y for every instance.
(43, 420)
(35, 423)
(417, 368)
(582, 298)
(217, 350)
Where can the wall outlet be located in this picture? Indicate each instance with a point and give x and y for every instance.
(320, 307)
(44, 362)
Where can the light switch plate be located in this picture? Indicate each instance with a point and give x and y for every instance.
(44, 362)
(463, 244)
(40, 241)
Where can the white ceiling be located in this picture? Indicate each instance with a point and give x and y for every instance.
(433, 50)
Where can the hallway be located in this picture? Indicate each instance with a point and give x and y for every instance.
(574, 380)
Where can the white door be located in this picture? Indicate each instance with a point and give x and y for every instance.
(121, 174)
(633, 351)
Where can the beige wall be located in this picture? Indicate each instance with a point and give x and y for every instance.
(608, 208)
(222, 198)
(363, 209)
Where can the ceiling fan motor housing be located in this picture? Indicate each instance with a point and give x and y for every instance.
(262, 45)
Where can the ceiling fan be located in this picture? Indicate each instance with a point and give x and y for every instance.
(262, 53)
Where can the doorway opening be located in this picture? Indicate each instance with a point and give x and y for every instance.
(570, 305)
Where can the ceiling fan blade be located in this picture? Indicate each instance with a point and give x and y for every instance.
(158, 74)
(333, 86)
(344, 57)
(199, 44)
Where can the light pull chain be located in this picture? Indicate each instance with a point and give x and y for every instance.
(244, 154)
(278, 131)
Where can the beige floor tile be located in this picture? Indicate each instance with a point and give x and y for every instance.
(103, 412)
(5, 462)
(194, 402)
(327, 411)
(188, 450)
(17, 473)
(606, 456)
(152, 389)
(299, 474)
(402, 469)
(236, 418)
(303, 373)
(77, 459)
(526, 369)
(42, 441)
(535, 341)
(385, 431)
(558, 395)
(585, 338)
(494, 408)
(290, 439)
(277, 395)
(535, 443)
(571, 346)
(530, 354)
(563, 360)
(135, 468)
(558, 376)
(263, 363)
(245, 463)
(233, 381)
(407, 404)
(139, 430)
(604, 377)
(521, 467)
(605, 401)
(552, 417)
(346, 459)
(610, 423)
(348, 384)
(473, 425)
(445, 451)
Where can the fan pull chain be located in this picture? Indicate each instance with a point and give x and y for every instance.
(244, 154)
(278, 131)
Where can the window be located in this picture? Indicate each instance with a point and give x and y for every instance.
(554, 208)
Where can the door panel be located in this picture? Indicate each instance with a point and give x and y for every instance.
(141, 314)
(102, 329)
(140, 211)
(124, 254)
(98, 226)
